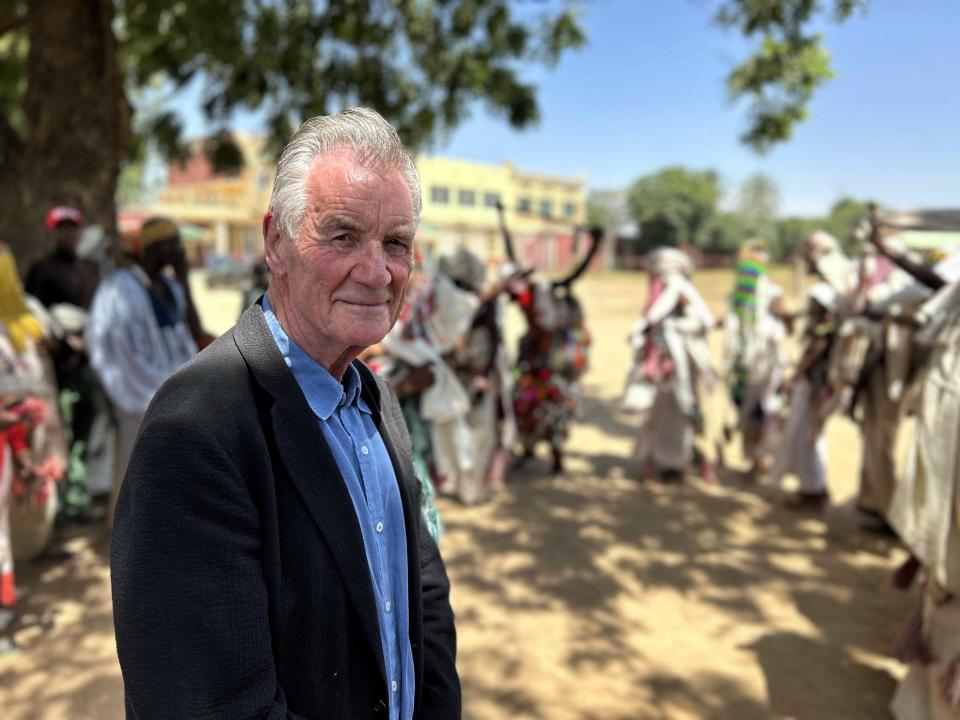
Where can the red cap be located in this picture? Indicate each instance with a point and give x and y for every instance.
(61, 214)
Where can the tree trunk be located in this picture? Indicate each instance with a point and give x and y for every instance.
(78, 125)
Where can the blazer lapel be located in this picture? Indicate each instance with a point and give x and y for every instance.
(313, 469)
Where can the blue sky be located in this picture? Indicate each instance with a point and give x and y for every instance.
(648, 91)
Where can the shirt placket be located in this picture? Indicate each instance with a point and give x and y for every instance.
(374, 500)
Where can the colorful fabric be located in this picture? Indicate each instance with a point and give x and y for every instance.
(22, 328)
(748, 277)
(749, 273)
(546, 392)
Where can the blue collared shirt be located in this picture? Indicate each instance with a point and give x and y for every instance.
(348, 428)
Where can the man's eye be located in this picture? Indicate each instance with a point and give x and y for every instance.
(398, 245)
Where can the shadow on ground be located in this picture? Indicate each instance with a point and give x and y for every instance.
(552, 537)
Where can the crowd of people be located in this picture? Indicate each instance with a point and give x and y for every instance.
(90, 337)
(879, 342)
(86, 341)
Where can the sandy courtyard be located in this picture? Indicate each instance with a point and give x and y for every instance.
(587, 597)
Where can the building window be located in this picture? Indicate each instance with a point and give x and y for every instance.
(468, 197)
(546, 209)
(439, 195)
(569, 209)
(523, 205)
(491, 199)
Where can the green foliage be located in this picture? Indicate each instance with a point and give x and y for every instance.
(841, 221)
(845, 215)
(674, 205)
(13, 84)
(789, 64)
(724, 233)
(789, 236)
(607, 209)
(420, 63)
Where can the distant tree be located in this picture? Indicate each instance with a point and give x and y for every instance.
(607, 209)
(758, 197)
(758, 201)
(844, 216)
(790, 234)
(788, 64)
(68, 69)
(725, 232)
(674, 205)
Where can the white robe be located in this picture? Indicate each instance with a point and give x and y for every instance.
(803, 449)
(926, 508)
(446, 403)
(128, 349)
(668, 408)
(131, 354)
(761, 349)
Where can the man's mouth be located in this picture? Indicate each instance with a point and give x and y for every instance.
(366, 303)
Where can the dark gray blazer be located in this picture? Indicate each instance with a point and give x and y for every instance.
(240, 582)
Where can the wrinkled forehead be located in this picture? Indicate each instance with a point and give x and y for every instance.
(345, 173)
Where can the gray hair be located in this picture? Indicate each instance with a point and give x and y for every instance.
(371, 139)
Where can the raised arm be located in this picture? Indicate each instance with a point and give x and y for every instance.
(596, 236)
(507, 238)
(920, 272)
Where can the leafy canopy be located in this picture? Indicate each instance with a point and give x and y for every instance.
(790, 63)
(420, 63)
(423, 64)
(672, 206)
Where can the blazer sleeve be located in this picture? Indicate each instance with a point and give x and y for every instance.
(441, 685)
(190, 602)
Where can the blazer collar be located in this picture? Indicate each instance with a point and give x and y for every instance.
(263, 357)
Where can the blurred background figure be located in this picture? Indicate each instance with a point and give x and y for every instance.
(755, 333)
(553, 353)
(925, 514)
(670, 361)
(64, 282)
(444, 355)
(138, 333)
(32, 446)
(259, 280)
(803, 448)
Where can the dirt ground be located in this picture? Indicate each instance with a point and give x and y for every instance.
(590, 596)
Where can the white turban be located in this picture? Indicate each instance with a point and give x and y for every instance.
(669, 261)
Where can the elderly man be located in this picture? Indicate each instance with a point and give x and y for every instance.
(269, 557)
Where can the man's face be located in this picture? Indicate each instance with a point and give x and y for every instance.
(67, 236)
(166, 252)
(342, 279)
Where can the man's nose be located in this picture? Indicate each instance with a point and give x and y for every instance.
(371, 267)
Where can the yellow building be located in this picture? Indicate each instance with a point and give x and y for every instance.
(227, 209)
(459, 209)
(459, 206)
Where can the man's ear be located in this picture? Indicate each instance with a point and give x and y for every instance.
(271, 246)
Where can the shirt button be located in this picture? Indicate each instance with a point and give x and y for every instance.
(364, 450)
(394, 686)
(388, 606)
(379, 527)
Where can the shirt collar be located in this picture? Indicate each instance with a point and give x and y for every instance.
(323, 393)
